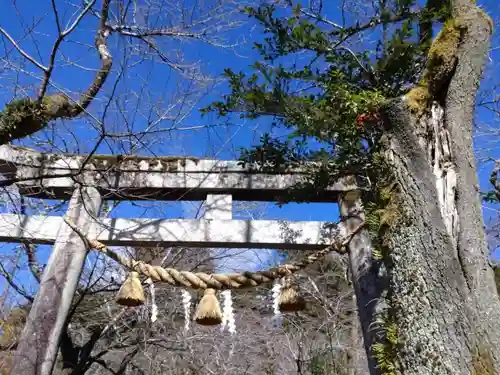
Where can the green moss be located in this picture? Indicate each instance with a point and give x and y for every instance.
(482, 361)
(441, 62)
(385, 207)
(22, 113)
(418, 99)
(442, 56)
(56, 106)
(26, 116)
(384, 213)
(378, 221)
(382, 208)
(385, 352)
(12, 327)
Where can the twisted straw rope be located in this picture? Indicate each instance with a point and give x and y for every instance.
(201, 280)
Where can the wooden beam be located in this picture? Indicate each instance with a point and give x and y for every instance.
(161, 178)
(305, 235)
(39, 343)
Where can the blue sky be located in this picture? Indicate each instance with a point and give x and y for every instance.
(147, 84)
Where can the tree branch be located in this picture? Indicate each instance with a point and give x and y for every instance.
(25, 116)
(55, 48)
(13, 284)
(21, 51)
(32, 262)
(106, 63)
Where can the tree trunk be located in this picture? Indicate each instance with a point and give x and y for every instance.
(439, 297)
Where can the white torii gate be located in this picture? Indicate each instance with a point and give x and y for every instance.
(89, 180)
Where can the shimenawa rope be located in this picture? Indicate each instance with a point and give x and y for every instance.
(200, 280)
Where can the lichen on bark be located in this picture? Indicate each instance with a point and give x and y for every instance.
(426, 294)
(399, 212)
(422, 286)
(25, 116)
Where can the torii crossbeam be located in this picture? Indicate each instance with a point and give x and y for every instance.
(89, 180)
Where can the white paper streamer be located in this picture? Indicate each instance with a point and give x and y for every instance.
(154, 307)
(276, 295)
(227, 313)
(186, 301)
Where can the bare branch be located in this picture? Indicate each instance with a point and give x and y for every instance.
(10, 280)
(21, 51)
(136, 32)
(106, 63)
(32, 263)
(56, 15)
(57, 43)
(89, 5)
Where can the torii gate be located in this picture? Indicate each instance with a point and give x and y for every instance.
(86, 181)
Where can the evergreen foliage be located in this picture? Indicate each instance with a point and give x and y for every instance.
(332, 97)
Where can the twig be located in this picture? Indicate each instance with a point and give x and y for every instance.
(55, 47)
(14, 285)
(106, 63)
(21, 51)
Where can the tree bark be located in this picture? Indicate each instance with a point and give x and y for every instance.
(427, 291)
(439, 289)
(471, 244)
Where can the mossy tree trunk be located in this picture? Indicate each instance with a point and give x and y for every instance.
(437, 308)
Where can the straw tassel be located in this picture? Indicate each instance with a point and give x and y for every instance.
(131, 292)
(290, 300)
(208, 312)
